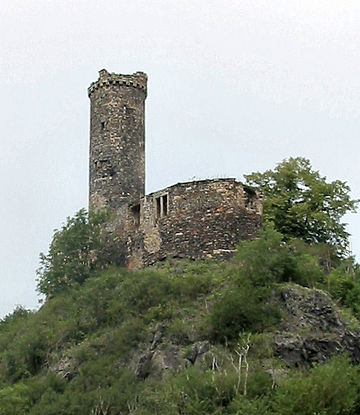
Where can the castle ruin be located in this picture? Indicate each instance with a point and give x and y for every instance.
(197, 219)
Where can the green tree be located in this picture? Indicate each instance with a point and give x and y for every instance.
(81, 247)
(302, 204)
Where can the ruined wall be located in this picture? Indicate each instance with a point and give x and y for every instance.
(117, 139)
(201, 219)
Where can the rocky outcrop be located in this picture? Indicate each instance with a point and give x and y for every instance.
(312, 329)
(65, 368)
(160, 355)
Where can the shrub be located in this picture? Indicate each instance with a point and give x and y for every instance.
(77, 251)
(191, 392)
(329, 389)
(244, 308)
(243, 406)
(340, 284)
(268, 259)
(15, 400)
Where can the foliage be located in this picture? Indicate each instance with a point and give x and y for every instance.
(329, 389)
(340, 282)
(242, 406)
(239, 309)
(268, 259)
(343, 283)
(15, 400)
(245, 305)
(302, 204)
(80, 248)
(98, 319)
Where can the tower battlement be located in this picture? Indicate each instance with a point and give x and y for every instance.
(136, 80)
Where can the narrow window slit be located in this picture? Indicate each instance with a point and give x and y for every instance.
(158, 207)
(135, 211)
(165, 205)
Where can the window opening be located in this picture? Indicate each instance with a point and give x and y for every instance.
(158, 207)
(165, 205)
(162, 206)
(135, 211)
(103, 125)
(250, 198)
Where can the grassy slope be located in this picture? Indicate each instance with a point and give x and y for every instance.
(72, 356)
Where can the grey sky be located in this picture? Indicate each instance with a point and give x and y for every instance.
(234, 87)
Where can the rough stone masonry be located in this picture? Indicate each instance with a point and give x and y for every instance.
(197, 220)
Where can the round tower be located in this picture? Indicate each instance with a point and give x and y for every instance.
(117, 139)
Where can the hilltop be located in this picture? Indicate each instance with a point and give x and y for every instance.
(273, 330)
(247, 336)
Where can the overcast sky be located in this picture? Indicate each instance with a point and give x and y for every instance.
(234, 87)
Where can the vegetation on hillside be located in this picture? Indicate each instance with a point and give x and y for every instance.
(84, 352)
(302, 204)
(72, 356)
(82, 247)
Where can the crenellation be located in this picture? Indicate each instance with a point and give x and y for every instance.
(137, 80)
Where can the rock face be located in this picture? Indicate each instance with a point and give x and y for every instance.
(312, 329)
(160, 355)
(65, 368)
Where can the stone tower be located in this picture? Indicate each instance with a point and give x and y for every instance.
(117, 139)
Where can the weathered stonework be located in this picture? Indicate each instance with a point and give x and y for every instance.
(200, 219)
(117, 139)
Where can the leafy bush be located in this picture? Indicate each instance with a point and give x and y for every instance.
(239, 309)
(82, 247)
(340, 284)
(243, 406)
(191, 392)
(15, 400)
(329, 389)
(268, 259)
(343, 283)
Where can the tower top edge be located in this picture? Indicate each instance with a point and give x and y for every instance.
(135, 80)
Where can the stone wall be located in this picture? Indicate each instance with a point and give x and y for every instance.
(200, 219)
(117, 139)
(197, 220)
